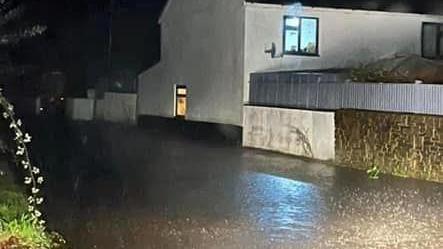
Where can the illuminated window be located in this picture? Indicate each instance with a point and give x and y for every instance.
(180, 101)
(300, 35)
(432, 40)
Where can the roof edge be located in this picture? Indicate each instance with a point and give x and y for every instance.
(332, 9)
(165, 9)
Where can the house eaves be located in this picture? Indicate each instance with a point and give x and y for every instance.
(434, 7)
(396, 6)
(165, 9)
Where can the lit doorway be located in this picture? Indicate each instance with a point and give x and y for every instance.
(180, 101)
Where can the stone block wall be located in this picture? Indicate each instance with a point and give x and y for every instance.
(400, 144)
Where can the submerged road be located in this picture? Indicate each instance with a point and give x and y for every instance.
(119, 187)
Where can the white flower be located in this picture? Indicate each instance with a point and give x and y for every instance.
(5, 115)
(10, 107)
(25, 164)
(35, 190)
(19, 122)
(36, 170)
(40, 180)
(12, 125)
(18, 134)
(20, 151)
(42, 222)
(30, 199)
(27, 138)
(30, 208)
(39, 200)
(37, 213)
(28, 180)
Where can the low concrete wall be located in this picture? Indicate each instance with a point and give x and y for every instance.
(100, 109)
(114, 107)
(80, 109)
(119, 107)
(400, 144)
(297, 132)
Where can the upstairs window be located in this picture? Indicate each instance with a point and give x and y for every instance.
(300, 35)
(432, 40)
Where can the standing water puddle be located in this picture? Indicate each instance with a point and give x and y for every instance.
(129, 188)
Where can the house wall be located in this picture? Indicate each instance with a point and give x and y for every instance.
(346, 38)
(202, 48)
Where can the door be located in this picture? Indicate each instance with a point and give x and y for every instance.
(180, 101)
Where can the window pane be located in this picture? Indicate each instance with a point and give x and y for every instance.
(181, 91)
(430, 40)
(291, 41)
(292, 22)
(308, 40)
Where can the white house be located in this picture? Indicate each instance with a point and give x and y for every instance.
(209, 48)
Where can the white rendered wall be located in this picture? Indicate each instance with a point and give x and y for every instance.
(297, 132)
(346, 38)
(119, 107)
(80, 109)
(202, 48)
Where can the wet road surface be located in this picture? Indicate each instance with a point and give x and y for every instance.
(118, 187)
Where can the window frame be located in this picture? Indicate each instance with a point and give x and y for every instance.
(439, 52)
(317, 47)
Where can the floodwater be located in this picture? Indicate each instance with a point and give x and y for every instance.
(119, 187)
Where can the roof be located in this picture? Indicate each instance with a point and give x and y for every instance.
(404, 6)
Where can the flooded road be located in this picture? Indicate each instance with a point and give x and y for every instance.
(118, 187)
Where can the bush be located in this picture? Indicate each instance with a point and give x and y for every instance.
(26, 232)
(12, 205)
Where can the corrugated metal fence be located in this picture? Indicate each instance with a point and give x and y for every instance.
(327, 92)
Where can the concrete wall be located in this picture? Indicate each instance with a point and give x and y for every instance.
(114, 107)
(119, 107)
(99, 109)
(202, 48)
(80, 109)
(346, 37)
(297, 132)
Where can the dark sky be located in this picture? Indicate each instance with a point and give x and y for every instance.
(76, 41)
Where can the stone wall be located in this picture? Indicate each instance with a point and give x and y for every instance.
(400, 144)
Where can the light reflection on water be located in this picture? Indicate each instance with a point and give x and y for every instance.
(283, 207)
